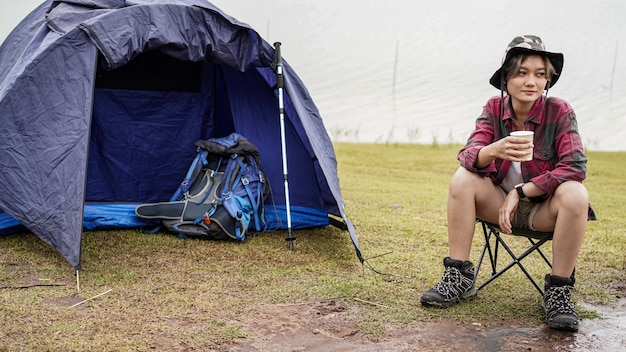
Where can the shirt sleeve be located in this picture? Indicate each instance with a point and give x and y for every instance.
(570, 160)
(482, 136)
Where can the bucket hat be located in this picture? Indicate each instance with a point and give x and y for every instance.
(530, 44)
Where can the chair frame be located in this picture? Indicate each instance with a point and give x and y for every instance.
(492, 233)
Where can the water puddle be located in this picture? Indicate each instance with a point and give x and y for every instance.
(607, 333)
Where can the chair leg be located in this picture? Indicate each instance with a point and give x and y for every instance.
(489, 232)
(486, 249)
(517, 260)
(545, 258)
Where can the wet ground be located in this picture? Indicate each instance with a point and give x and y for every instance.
(323, 327)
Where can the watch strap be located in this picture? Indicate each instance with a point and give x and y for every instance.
(520, 190)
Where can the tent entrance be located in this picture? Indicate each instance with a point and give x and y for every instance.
(152, 71)
(148, 114)
(146, 117)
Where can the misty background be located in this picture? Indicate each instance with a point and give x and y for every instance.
(417, 71)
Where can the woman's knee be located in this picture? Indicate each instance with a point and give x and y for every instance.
(572, 194)
(463, 179)
(466, 184)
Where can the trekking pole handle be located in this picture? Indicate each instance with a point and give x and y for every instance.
(277, 55)
(278, 66)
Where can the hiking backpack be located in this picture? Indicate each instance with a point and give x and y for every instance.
(222, 195)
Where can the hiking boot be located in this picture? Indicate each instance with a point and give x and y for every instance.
(456, 284)
(557, 303)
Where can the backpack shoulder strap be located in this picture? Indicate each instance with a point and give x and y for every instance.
(193, 172)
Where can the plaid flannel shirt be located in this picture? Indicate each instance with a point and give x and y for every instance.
(558, 153)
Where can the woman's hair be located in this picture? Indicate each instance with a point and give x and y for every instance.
(511, 68)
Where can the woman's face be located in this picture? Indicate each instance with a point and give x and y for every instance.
(528, 83)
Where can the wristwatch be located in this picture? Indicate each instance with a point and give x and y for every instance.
(520, 190)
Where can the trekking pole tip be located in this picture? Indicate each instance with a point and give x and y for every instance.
(290, 238)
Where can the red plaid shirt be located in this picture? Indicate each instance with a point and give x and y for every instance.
(558, 153)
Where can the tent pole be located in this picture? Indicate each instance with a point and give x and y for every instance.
(280, 84)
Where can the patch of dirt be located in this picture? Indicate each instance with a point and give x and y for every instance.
(67, 301)
(328, 325)
(325, 326)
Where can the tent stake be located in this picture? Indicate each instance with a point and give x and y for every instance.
(77, 282)
(280, 84)
(89, 299)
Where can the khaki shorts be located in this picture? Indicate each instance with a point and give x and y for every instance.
(524, 215)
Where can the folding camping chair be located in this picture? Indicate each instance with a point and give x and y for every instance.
(494, 239)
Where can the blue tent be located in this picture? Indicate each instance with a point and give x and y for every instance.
(101, 102)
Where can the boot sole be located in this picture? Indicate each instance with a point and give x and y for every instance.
(445, 304)
(562, 326)
(557, 326)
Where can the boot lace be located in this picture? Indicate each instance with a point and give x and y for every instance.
(559, 301)
(453, 283)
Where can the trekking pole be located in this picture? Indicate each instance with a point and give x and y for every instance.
(280, 84)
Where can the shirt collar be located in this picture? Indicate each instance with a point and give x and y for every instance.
(536, 113)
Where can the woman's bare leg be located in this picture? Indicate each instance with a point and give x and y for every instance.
(470, 195)
(565, 213)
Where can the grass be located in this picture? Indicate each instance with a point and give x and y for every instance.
(166, 293)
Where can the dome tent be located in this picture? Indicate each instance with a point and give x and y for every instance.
(101, 102)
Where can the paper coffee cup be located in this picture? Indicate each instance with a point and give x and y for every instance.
(528, 135)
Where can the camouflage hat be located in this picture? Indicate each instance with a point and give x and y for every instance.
(533, 45)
